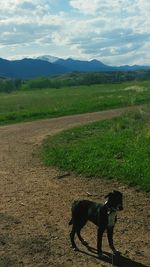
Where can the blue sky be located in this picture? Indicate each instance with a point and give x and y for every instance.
(116, 32)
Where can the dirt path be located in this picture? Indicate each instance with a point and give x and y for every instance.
(35, 204)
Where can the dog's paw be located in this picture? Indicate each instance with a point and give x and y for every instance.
(75, 248)
(85, 243)
(100, 254)
(116, 252)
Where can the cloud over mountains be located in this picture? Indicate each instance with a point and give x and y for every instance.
(116, 31)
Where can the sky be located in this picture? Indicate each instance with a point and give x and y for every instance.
(116, 32)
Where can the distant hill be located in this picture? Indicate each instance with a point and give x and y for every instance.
(29, 68)
(90, 66)
(84, 66)
(48, 58)
(132, 68)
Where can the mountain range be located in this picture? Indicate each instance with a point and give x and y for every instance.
(28, 68)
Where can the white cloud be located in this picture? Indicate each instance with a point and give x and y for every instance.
(87, 7)
(126, 7)
(110, 30)
(117, 30)
(99, 6)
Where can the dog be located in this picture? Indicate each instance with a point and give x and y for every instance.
(102, 215)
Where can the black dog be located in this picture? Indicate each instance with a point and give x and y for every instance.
(102, 215)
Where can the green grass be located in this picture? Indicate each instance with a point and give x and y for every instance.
(48, 103)
(112, 149)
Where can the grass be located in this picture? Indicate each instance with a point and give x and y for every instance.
(47, 103)
(111, 149)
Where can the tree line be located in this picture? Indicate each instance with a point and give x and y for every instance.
(9, 85)
(72, 79)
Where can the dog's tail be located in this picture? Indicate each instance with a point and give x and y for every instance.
(71, 222)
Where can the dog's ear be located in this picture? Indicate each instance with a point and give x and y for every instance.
(108, 195)
(117, 192)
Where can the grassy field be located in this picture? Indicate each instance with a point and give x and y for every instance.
(112, 149)
(48, 103)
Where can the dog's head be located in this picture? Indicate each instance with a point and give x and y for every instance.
(115, 201)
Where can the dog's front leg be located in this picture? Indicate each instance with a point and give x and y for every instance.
(110, 239)
(99, 241)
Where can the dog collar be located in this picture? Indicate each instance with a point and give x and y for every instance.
(111, 210)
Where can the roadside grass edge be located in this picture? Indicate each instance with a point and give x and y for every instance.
(112, 149)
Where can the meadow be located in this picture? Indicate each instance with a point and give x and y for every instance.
(112, 149)
(28, 105)
(117, 148)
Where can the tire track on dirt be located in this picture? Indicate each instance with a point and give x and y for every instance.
(35, 204)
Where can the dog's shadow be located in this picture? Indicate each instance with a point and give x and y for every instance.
(115, 260)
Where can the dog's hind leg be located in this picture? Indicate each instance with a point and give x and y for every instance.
(81, 238)
(79, 226)
(72, 235)
(70, 222)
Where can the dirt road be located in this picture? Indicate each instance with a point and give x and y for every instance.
(35, 204)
